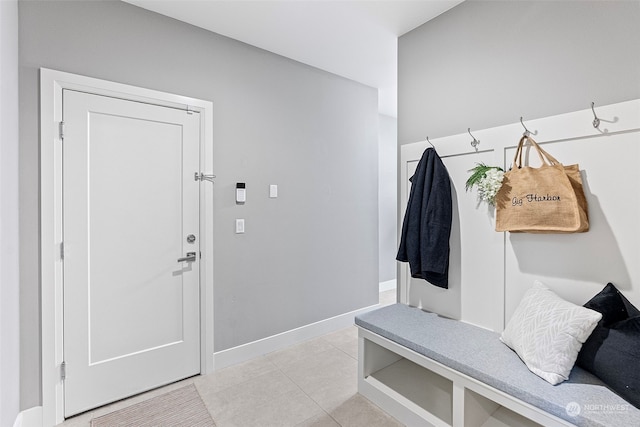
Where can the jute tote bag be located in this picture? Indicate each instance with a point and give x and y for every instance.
(548, 199)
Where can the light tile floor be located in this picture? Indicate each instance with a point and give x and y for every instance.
(310, 384)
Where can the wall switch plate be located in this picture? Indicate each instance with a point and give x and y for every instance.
(239, 226)
(273, 191)
(241, 195)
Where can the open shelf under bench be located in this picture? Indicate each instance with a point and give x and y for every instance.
(419, 391)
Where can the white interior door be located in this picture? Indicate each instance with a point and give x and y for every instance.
(130, 201)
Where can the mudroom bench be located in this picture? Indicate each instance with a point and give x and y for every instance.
(426, 370)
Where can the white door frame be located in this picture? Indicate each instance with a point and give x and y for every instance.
(52, 84)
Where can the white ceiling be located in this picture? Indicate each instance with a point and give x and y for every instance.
(356, 39)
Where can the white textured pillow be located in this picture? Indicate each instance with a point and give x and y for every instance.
(547, 332)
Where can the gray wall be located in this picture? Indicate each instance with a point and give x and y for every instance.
(387, 196)
(486, 63)
(9, 284)
(308, 255)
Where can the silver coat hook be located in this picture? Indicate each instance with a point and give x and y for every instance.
(596, 120)
(430, 143)
(526, 133)
(475, 141)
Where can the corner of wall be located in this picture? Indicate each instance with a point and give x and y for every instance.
(29, 418)
(9, 269)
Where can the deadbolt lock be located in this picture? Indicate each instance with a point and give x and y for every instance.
(191, 238)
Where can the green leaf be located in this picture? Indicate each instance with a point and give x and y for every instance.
(478, 173)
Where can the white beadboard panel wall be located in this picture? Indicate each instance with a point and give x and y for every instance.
(577, 266)
(470, 281)
(490, 271)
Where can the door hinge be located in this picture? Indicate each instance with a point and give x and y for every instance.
(61, 250)
(61, 130)
(63, 371)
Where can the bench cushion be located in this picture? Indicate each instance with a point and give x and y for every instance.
(479, 354)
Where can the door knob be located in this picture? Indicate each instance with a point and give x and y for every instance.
(191, 257)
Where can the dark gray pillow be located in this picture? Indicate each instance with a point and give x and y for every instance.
(612, 351)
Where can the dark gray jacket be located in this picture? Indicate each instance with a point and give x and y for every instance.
(424, 242)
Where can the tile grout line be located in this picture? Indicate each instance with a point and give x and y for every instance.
(242, 383)
(306, 394)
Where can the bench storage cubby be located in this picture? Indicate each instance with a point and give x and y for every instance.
(426, 370)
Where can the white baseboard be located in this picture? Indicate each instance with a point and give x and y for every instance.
(248, 351)
(31, 417)
(388, 285)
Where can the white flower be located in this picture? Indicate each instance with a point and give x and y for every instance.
(489, 185)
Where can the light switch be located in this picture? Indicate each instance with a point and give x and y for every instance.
(239, 226)
(273, 191)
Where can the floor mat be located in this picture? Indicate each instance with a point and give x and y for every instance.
(181, 407)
